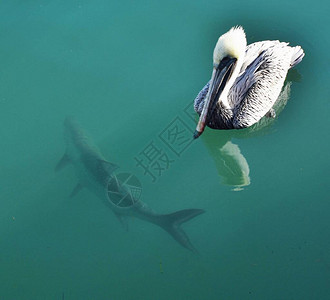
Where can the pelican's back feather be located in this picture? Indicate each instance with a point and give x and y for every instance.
(297, 56)
(259, 85)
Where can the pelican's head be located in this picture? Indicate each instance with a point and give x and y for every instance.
(232, 44)
(228, 57)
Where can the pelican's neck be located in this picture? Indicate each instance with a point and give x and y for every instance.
(223, 99)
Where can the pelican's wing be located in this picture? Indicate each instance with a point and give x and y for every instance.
(254, 50)
(260, 82)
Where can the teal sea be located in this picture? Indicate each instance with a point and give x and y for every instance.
(128, 72)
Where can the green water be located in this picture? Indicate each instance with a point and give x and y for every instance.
(127, 71)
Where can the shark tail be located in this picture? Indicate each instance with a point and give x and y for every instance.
(171, 223)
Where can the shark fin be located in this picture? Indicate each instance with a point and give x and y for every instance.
(64, 161)
(171, 223)
(111, 167)
(76, 190)
(122, 220)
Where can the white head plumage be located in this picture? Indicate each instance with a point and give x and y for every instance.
(232, 44)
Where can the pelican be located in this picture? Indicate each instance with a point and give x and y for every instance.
(245, 82)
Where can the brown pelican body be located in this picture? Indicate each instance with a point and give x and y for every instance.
(245, 83)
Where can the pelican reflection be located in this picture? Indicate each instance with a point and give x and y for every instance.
(231, 165)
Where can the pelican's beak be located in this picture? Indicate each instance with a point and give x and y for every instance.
(220, 76)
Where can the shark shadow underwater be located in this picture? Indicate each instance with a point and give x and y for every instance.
(96, 174)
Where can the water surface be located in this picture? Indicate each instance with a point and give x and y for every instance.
(128, 71)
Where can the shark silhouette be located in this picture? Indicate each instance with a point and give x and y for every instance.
(98, 175)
